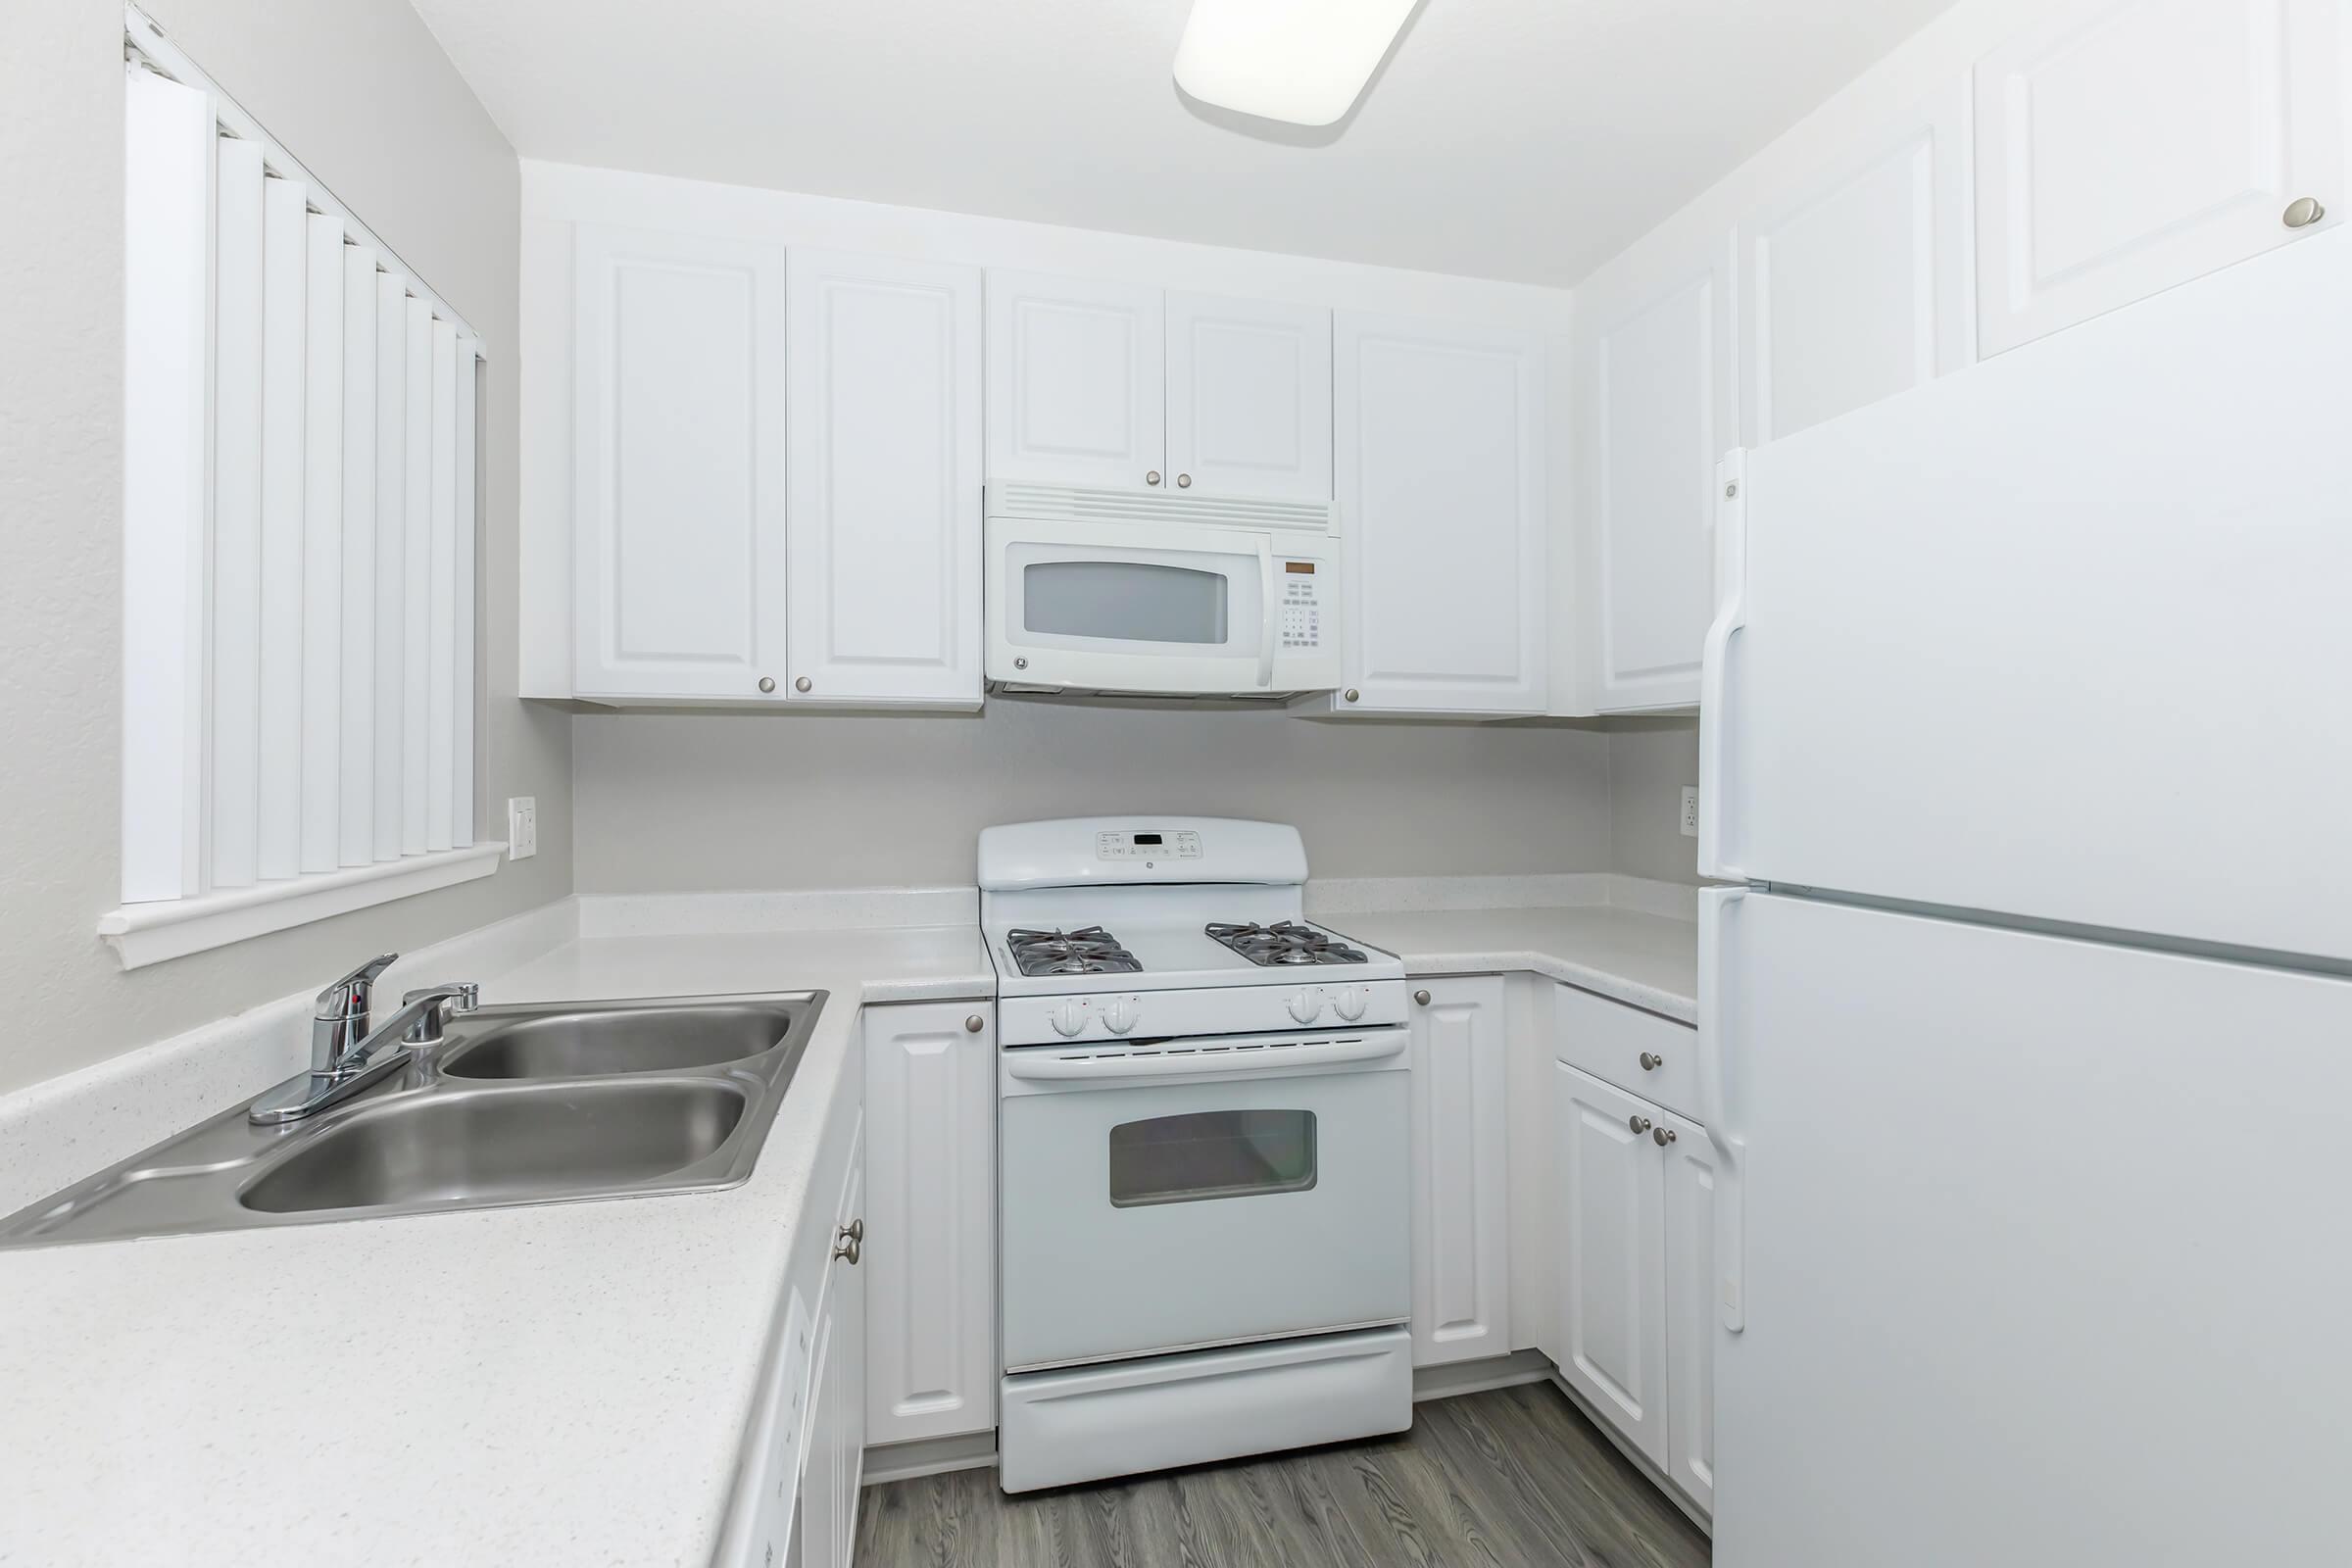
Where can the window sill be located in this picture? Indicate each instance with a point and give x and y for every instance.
(142, 934)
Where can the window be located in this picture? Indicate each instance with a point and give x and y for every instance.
(299, 503)
(1207, 1155)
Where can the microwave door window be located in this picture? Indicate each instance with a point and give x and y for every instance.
(1125, 601)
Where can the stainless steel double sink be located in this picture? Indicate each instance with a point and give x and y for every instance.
(520, 1104)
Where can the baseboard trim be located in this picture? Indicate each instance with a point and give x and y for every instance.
(1477, 1377)
(1640, 1461)
(930, 1456)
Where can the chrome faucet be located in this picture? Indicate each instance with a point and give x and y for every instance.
(347, 1054)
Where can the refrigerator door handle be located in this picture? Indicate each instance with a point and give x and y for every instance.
(1730, 618)
(1719, 910)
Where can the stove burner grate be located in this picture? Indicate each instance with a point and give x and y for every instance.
(1091, 951)
(1285, 942)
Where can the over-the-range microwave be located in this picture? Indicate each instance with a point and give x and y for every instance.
(1104, 592)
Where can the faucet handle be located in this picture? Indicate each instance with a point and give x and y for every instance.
(349, 997)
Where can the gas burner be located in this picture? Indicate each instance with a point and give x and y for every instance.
(1092, 951)
(1285, 942)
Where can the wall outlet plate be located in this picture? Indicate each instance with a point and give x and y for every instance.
(523, 828)
(1690, 811)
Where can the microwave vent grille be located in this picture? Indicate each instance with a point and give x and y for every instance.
(1066, 504)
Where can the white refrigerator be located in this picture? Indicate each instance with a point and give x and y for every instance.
(2026, 1018)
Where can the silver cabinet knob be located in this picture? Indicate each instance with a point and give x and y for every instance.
(974, 1024)
(768, 683)
(1639, 1124)
(1153, 478)
(1663, 1135)
(1421, 999)
(1183, 481)
(2302, 213)
(1651, 1061)
(1351, 694)
(801, 685)
(850, 1241)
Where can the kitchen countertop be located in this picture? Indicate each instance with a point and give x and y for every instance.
(1645, 961)
(564, 1383)
(567, 1384)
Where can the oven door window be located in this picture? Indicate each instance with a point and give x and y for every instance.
(1211, 1154)
(1125, 601)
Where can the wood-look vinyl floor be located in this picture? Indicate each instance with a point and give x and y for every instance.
(1512, 1478)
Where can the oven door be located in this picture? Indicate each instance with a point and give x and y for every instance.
(1194, 1193)
(1163, 609)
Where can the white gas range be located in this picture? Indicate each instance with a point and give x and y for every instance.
(1204, 1149)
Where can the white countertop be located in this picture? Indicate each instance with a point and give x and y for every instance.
(567, 1384)
(1646, 960)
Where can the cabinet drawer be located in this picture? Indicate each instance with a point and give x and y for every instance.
(1612, 1040)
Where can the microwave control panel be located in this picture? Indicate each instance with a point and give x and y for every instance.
(1302, 594)
(1183, 844)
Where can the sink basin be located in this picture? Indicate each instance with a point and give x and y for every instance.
(463, 1150)
(599, 1042)
(524, 1105)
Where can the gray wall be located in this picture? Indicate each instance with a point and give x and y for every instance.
(1650, 762)
(673, 803)
(364, 97)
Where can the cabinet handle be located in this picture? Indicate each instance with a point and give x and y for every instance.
(1651, 1061)
(2302, 213)
(974, 1024)
(1639, 1124)
(1351, 694)
(801, 685)
(851, 1242)
(1421, 998)
(1153, 478)
(768, 683)
(1664, 1136)
(1183, 481)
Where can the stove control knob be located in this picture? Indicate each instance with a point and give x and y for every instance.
(1068, 1017)
(1350, 1003)
(1306, 1004)
(1119, 1014)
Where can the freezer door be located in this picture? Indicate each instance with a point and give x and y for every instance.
(2065, 635)
(2044, 1249)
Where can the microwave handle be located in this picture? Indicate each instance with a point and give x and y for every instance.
(1268, 611)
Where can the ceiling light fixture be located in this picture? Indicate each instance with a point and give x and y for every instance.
(1300, 61)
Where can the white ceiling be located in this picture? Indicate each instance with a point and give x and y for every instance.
(1523, 139)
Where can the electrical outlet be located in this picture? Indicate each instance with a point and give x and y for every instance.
(1690, 811)
(523, 828)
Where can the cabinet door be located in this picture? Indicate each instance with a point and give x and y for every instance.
(678, 496)
(2124, 146)
(884, 465)
(833, 1453)
(1691, 1310)
(1461, 1213)
(931, 1221)
(1249, 397)
(1856, 284)
(1440, 452)
(1076, 382)
(1609, 1183)
(1657, 416)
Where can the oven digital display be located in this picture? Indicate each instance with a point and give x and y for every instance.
(1181, 844)
(1146, 838)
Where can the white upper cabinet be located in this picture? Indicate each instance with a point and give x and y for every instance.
(678, 487)
(1439, 447)
(1249, 397)
(884, 463)
(1855, 284)
(1076, 382)
(1656, 412)
(2125, 146)
(1461, 1212)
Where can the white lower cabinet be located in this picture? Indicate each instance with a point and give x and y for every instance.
(1462, 1210)
(1633, 1235)
(833, 1445)
(931, 1220)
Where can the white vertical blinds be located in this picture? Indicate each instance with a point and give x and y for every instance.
(300, 518)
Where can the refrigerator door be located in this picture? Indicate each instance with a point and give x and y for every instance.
(2043, 1254)
(2065, 635)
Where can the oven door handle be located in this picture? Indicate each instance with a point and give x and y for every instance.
(1193, 1061)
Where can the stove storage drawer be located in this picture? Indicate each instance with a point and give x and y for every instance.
(1164, 1212)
